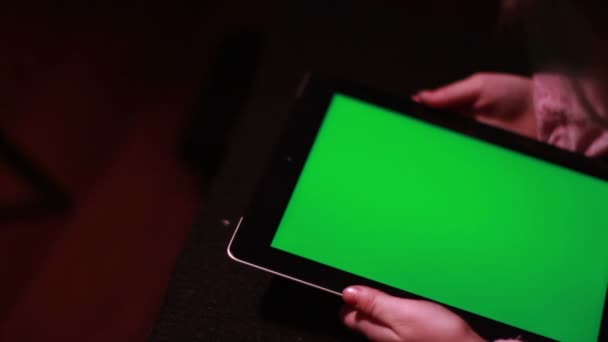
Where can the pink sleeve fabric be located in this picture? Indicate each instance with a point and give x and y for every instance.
(561, 118)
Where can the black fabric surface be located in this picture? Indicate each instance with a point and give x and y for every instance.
(391, 45)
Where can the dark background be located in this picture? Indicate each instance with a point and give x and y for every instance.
(156, 119)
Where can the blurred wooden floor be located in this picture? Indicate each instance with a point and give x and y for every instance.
(97, 93)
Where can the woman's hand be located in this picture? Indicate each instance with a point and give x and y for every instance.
(384, 318)
(501, 100)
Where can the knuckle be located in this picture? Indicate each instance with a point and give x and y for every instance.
(478, 78)
(370, 305)
(474, 77)
(481, 74)
(478, 81)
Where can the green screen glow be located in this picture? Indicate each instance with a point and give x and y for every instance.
(467, 223)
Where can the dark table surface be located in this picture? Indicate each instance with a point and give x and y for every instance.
(392, 45)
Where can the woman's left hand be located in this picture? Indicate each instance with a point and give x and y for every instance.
(384, 318)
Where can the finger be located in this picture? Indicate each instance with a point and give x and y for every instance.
(347, 315)
(376, 304)
(371, 328)
(458, 94)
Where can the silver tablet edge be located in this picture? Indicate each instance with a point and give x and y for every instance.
(228, 250)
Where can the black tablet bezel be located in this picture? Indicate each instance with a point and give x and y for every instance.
(251, 242)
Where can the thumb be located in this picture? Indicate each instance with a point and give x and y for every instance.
(373, 303)
(455, 95)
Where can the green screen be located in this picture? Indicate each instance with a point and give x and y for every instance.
(451, 218)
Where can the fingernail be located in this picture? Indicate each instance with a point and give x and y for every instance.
(419, 95)
(352, 290)
(351, 295)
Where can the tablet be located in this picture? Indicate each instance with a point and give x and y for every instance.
(371, 188)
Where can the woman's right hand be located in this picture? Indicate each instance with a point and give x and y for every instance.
(501, 100)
